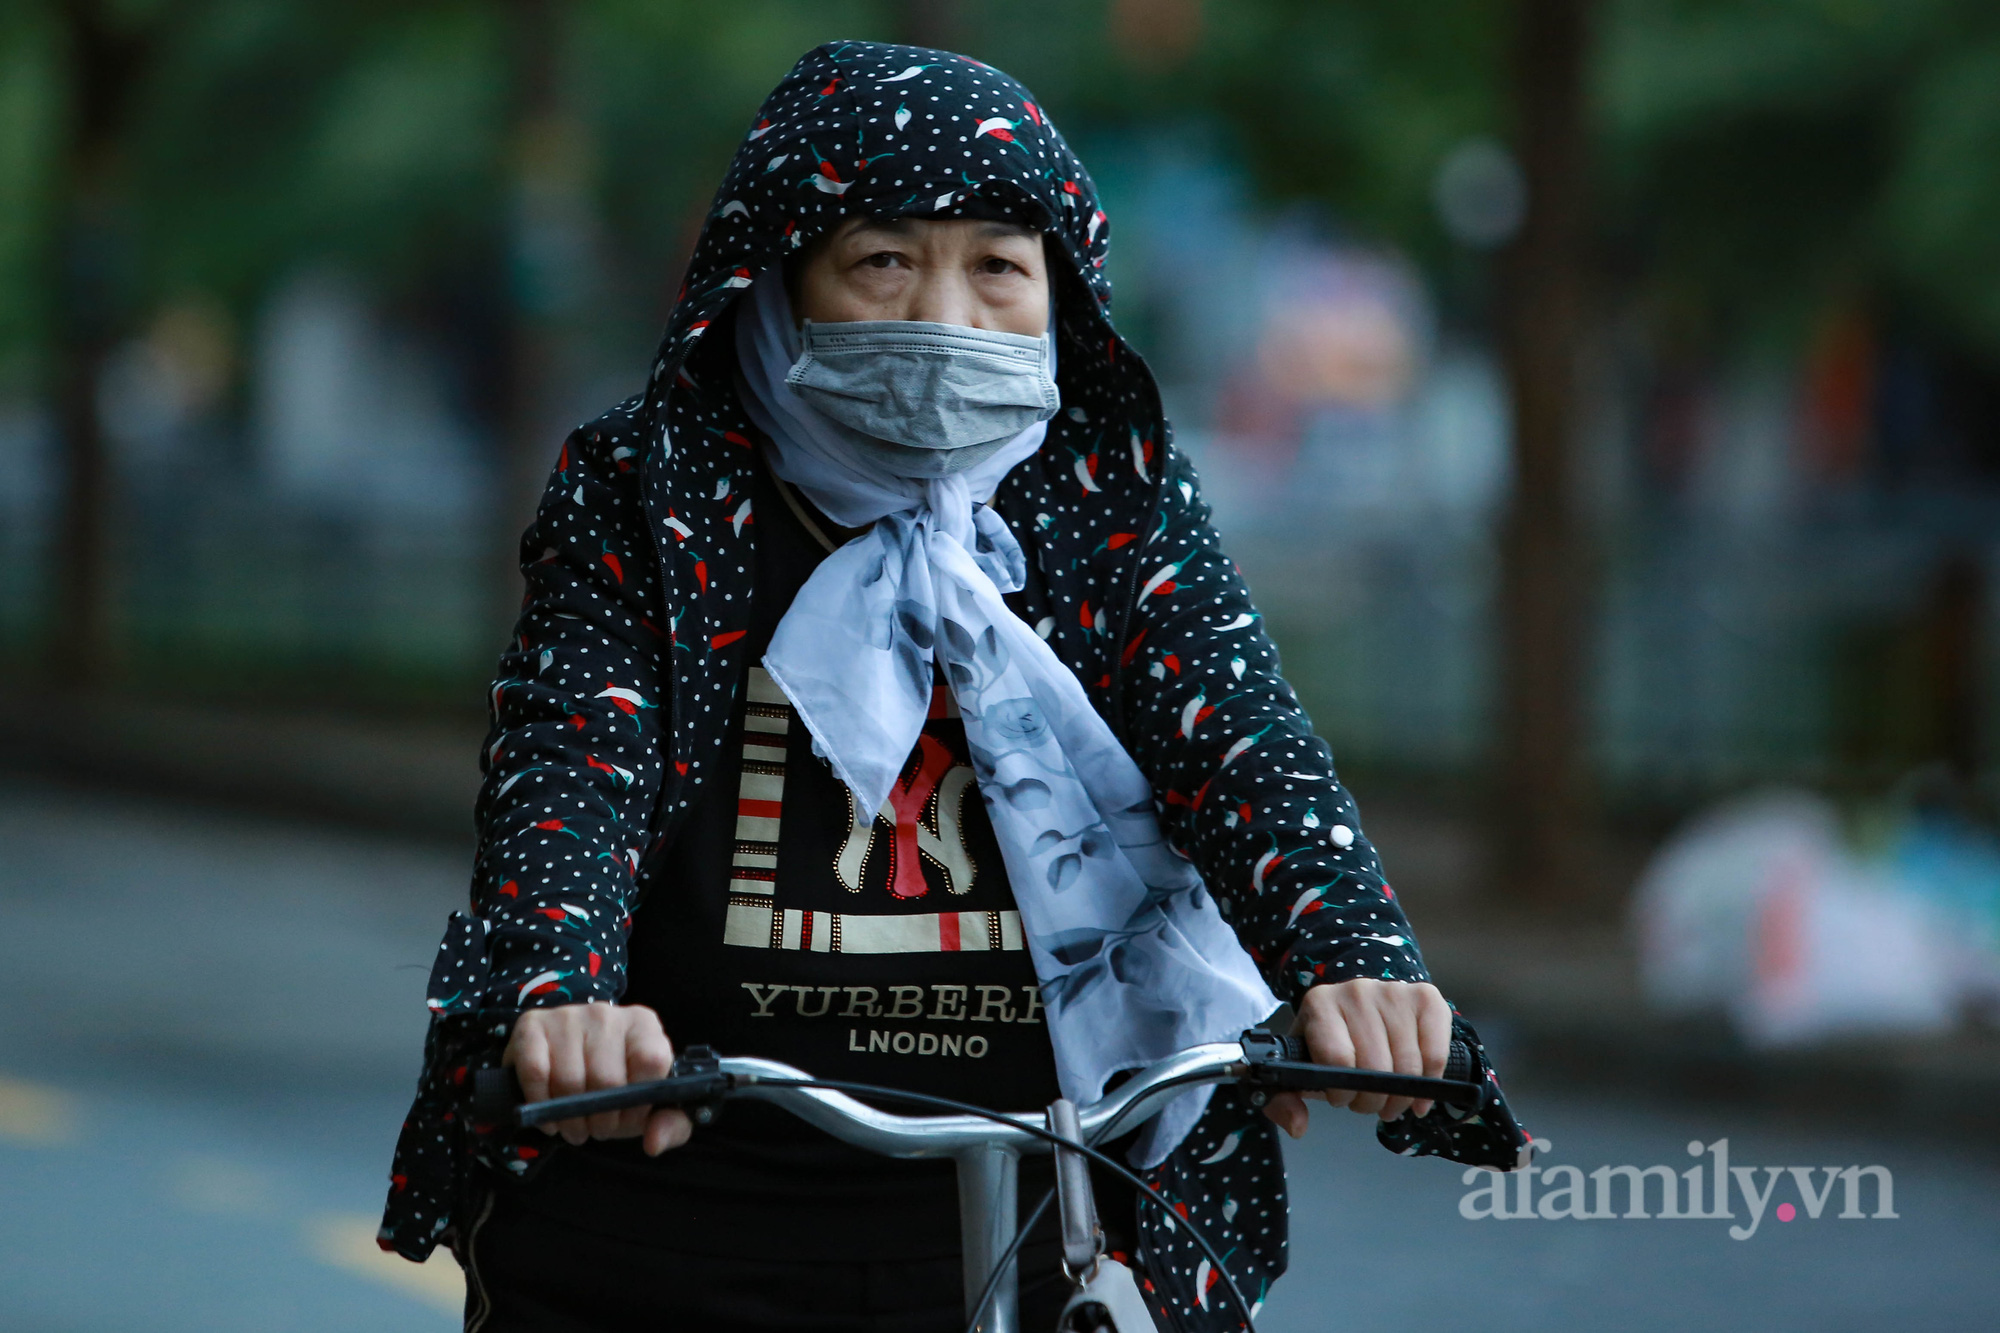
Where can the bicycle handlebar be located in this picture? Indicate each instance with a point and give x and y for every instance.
(700, 1080)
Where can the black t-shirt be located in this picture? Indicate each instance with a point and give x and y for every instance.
(885, 951)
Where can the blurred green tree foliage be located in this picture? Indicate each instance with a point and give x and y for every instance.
(1351, 105)
(1754, 154)
(27, 96)
(1765, 156)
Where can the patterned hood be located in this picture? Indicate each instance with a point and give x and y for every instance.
(867, 129)
(1134, 956)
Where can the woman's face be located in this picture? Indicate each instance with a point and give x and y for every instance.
(976, 274)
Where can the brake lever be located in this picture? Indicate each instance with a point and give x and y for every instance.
(1272, 1063)
(696, 1085)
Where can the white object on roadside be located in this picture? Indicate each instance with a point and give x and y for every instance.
(1758, 909)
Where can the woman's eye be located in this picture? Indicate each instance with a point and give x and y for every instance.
(996, 265)
(884, 259)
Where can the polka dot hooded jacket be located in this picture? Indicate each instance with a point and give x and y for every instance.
(612, 703)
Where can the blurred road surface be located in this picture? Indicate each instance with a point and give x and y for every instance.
(213, 1026)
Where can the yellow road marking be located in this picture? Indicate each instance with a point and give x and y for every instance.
(347, 1241)
(36, 1115)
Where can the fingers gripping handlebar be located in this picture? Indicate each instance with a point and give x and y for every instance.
(697, 1084)
(1265, 1062)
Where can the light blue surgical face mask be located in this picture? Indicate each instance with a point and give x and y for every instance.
(926, 400)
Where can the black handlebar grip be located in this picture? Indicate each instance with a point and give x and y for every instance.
(1459, 1064)
(497, 1097)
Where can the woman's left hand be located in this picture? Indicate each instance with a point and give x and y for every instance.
(1402, 1026)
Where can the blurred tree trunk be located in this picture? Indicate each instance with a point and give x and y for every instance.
(1539, 796)
(934, 23)
(1954, 625)
(536, 144)
(91, 244)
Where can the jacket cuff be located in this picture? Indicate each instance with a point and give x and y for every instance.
(1311, 962)
(1489, 1137)
(461, 1046)
(533, 969)
(428, 1182)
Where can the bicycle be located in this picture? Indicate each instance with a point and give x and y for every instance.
(987, 1146)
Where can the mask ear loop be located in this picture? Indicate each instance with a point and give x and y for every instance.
(1049, 347)
(1051, 334)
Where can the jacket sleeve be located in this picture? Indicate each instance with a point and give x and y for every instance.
(572, 770)
(1246, 789)
(1249, 792)
(573, 761)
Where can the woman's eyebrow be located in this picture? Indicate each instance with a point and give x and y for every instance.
(897, 228)
(1008, 231)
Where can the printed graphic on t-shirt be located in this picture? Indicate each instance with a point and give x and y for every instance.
(978, 1014)
(915, 847)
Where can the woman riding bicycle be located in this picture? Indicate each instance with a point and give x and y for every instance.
(883, 703)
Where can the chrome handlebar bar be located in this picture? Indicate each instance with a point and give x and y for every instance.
(894, 1135)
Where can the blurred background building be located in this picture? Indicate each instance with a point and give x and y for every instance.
(1602, 396)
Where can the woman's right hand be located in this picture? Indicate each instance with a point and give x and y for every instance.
(572, 1048)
